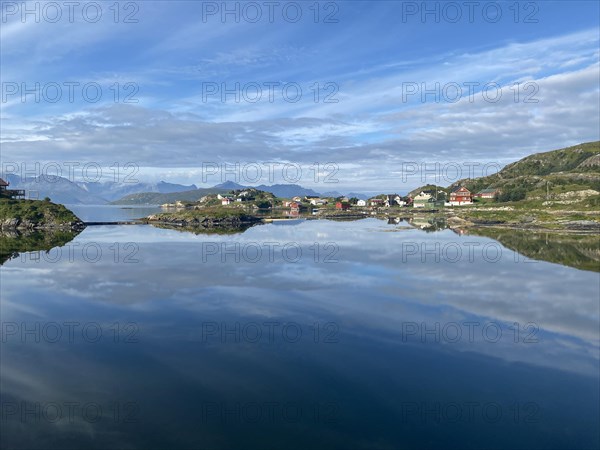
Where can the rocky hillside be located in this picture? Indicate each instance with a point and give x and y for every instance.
(36, 214)
(568, 174)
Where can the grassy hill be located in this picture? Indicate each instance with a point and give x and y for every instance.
(34, 214)
(554, 175)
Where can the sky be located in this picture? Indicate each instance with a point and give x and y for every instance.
(369, 97)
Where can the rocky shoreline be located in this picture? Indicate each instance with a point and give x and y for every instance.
(204, 221)
(37, 215)
(18, 224)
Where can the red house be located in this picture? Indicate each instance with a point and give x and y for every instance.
(342, 205)
(461, 196)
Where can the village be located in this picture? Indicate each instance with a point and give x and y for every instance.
(255, 199)
(260, 200)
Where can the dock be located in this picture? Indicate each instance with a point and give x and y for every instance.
(125, 222)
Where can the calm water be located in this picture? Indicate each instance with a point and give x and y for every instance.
(109, 213)
(375, 336)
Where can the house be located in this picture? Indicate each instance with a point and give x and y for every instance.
(225, 201)
(376, 202)
(18, 193)
(487, 193)
(394, 200)
(290, 204)
(422, 200)
(342, 205)
(316, 201)
(361, 203)
(461, 196)
(297, 199)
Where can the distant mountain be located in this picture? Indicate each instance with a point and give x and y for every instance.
(358, 196)
(229, 185)
(61, 190)
(113, 191)
(332, 194)
(287, 190)
(156, 198)
(279, 190)
(349, 195)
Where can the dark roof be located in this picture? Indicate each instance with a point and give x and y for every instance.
(3, 183)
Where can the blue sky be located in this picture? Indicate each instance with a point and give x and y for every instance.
(369, 56)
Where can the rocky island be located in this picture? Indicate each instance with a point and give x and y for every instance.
(36, 215)
(211, 218)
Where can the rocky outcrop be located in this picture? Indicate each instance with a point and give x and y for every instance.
(36, 215)
(204, 221)
(18, 224)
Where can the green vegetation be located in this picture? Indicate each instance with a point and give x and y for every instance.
(543, 174)
(573, 250)
(12, 243)
(552, 190)
(577, 159)
(213, 212)
(220, 230)
(35, 213)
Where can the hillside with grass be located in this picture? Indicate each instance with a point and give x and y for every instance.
(36, 214)
(566, 176)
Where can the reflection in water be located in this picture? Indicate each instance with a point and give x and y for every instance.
(206, 230)
(377, 350)
(581, 251)
(14, 242)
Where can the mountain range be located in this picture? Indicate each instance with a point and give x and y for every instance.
(62, 190)
(279, 190)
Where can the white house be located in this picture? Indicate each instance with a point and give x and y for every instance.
(361, 203)
(421, 200)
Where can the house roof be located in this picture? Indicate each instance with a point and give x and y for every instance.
(459, 188)
(3, 183)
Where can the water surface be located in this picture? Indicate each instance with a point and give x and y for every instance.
(378, 335)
